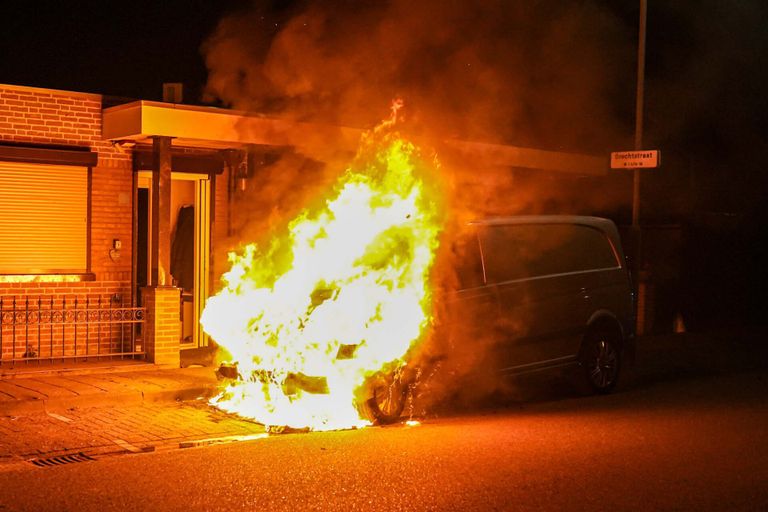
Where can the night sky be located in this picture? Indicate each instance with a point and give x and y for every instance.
(125, 49)
(538, 73)
(706, 62)
(706, 71)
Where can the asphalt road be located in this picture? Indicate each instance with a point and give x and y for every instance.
(675, 439)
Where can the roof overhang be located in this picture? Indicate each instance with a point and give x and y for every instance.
(487, 156)
(216, 128)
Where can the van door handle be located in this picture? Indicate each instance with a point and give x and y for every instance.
(584, 294)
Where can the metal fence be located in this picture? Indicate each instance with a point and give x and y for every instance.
(68, 329)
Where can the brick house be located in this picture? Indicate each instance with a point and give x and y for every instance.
(93, 200)
(108, 215)
(65, 197)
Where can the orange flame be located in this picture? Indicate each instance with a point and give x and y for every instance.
(344, 295)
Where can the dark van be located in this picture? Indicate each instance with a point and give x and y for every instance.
(551, 291)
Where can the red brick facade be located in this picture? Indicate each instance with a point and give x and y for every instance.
(65, 118)
(162, 327)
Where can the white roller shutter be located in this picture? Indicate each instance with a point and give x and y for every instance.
(43, 218)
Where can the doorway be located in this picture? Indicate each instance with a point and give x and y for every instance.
(190, 247)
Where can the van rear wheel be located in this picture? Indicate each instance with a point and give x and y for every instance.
(601, 360)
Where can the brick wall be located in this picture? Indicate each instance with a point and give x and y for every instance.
(162, 327)
(46, 116)
(111, 218)
(220, 229)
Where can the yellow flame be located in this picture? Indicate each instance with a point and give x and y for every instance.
(344, 295)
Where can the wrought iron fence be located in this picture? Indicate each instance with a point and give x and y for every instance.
(68, 329)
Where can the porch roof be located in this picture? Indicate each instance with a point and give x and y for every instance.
(217, 128)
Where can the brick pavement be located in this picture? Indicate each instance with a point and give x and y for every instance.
(56, 389)
(114, 429)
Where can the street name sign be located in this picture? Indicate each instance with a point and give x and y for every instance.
(642, 159)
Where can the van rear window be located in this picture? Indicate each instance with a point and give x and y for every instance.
(532, 250)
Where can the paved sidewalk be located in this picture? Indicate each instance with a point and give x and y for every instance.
(49, 439)
(50, 415)
(50, 390)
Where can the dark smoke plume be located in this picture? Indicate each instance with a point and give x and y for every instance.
(533, 73)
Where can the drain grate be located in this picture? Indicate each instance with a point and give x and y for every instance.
(61, 459)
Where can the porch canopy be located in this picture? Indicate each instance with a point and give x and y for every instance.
(217, 128)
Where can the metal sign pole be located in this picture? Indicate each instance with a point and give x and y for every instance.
(639, 112)
(640, 295)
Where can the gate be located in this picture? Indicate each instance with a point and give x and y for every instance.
(73, 328)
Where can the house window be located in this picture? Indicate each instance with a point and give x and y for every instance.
(43, 219)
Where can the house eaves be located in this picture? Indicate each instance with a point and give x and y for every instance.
(217, 128)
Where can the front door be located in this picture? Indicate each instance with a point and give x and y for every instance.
(190, 246)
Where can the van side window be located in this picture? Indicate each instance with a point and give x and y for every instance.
(585, 248)
(508, 252)
(469, 265)
(530, 250)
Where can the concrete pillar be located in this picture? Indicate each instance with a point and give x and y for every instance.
(162, 328)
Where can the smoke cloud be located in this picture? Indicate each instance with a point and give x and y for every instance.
(535, 73)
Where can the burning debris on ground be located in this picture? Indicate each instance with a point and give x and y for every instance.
(228, 371)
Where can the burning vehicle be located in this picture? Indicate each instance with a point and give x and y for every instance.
(334, 324)
(339, 300)
(525, 294)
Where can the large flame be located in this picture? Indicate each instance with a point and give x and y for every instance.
(343, 295)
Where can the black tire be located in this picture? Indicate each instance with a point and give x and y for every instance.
(601, 359)
(387, 400)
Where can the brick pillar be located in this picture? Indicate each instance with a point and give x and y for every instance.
(162, 329)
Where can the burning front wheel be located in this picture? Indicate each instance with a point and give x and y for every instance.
(387, 401)
(601, 360)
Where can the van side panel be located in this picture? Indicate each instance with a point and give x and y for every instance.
(610, 291)
(468, 315)
(545, 317)
(549, 279)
